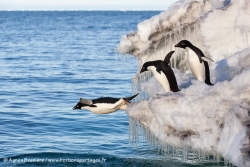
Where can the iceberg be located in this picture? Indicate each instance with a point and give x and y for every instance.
(200, 121)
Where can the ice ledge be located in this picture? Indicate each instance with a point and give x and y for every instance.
(212, 123)
(212, 119)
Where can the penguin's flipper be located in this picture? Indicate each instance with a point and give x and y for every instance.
(206, 59)
(168, 56)
(158, 69)
(92, 105)
(200, 59)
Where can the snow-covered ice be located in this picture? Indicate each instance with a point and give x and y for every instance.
(211, 120)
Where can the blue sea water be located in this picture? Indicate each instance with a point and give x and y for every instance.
(48, 61)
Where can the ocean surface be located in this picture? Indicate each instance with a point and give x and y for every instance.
(48, 61)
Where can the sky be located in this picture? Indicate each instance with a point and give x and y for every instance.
(85, 4)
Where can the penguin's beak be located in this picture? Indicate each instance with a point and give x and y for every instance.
(76, 107)
(142, 70)
(176, 45)
(179, 46)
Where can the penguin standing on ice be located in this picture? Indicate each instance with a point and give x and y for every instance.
(103, 105)
(197, 61)
(162, 72)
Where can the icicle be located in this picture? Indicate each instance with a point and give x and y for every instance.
(174, 151)
(170, 41)
(165, 43)
(185, 153)
(154, 142)
(165, 149)
(203, 157)
(159, 148)
(246, 35)
(129, 130)
(225, 162)
(218, 158)
(155, 46)
(132, 131)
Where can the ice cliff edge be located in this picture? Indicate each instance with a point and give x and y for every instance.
(209, 120)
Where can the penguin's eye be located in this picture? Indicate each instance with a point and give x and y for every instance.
(183, 44)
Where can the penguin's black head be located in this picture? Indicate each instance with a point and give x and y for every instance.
(79, 106)
(183, 44)
(144, 68)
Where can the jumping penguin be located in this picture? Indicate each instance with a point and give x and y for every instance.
(162, 72)
(197, 61)
(103, 105)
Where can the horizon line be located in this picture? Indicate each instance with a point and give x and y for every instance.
(72, 10)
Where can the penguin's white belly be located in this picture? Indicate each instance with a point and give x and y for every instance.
(161, 78)
(106, 108)
(197, 68)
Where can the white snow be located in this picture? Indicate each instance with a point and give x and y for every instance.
(209, 120)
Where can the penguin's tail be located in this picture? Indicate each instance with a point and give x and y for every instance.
(130, 98)
(176, 90)
(209, 83)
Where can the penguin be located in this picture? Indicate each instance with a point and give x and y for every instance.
(162, 72)
(197, 61)
(103, 105)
